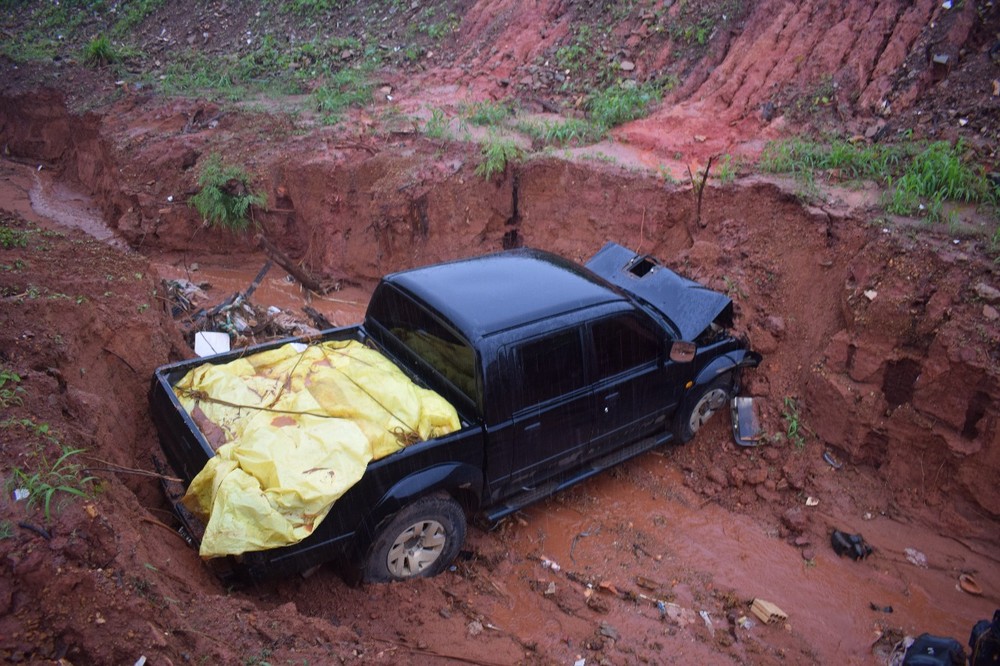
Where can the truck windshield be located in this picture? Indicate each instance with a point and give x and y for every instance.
(420, 332)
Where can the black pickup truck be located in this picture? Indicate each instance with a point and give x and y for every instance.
(557, 372)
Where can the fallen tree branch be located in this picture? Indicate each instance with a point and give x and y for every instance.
(306, 279)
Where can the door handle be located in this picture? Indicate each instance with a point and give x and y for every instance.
(533, 426)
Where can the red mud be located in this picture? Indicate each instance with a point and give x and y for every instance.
(885, 339)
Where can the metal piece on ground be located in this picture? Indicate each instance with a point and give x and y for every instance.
(746, 421)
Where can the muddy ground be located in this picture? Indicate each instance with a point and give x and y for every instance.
(882, 332)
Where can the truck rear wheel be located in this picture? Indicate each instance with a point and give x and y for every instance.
(703, 404)
(422, 539)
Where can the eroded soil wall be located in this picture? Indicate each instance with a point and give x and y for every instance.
(884, 341)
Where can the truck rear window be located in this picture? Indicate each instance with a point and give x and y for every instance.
(420, 332)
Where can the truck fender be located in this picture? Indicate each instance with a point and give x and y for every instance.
(458, 479)
(740, 358)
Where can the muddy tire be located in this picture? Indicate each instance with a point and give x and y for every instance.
(422, 539)
(704, 403)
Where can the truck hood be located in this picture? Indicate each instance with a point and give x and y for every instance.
(689, 306)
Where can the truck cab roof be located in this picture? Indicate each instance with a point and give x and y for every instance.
(492, 293)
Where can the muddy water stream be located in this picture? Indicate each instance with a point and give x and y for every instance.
(641, 522)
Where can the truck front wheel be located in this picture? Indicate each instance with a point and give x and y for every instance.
(421, 539)
(702, 405)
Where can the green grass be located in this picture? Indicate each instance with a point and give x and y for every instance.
(727, 169)
(794, 425)
(571, 131)
(10, 393)
(11, 238)
(436, 126)
(920, 176)
(350, 87)
(497, 153)
(488, 114)
(99, 52)
(63, 476)
(621, 102)
(226, 195)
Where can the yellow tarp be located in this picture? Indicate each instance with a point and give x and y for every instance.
(293, 429)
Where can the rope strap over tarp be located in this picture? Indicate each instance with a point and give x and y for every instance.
(294, 428)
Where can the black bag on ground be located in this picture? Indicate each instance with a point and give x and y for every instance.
(930, 650)
(985, 642)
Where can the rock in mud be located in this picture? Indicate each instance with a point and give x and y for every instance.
(795, 519)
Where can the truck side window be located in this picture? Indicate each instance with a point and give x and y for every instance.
(622, 342)
(550, 366)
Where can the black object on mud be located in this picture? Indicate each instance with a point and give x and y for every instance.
(930, 650)
(985, 642)
(852, 545)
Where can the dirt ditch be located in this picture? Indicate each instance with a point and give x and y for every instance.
(878, 343)
(879, 391)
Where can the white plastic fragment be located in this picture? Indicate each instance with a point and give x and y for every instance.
(916, 558)
(871, 294)
(208, 343)
(21, 494)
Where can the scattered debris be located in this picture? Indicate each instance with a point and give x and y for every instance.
(812, 501)
(915, 557)
(852, 545)
(871, 294)
(831, 461)
(743, 622)
(549, 564)
(880, 609)
(766, 611)
(609, 632)
(209, 343)
(969, 585)
(707, 619)
(746, 421)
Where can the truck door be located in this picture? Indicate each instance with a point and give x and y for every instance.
(552, 406)
(633, 391)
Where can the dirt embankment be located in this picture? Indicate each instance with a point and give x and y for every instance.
(888, 343)
(881, 342)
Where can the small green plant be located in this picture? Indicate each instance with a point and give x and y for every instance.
(793, 422)
(497, 152)
(62, 476)
(226, 195)
(99, 52)
(727, 170)
(10, 392)
(11, 238)
(488, 114)
(566, 132)
(348, 87)
(439, 29)
(436, 126)
(6, 529)
(620, 103)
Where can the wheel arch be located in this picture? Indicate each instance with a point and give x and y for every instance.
(460, 481)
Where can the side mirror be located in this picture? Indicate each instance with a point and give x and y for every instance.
(682, 351)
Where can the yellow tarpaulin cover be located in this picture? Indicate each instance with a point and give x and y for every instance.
(293, 429)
